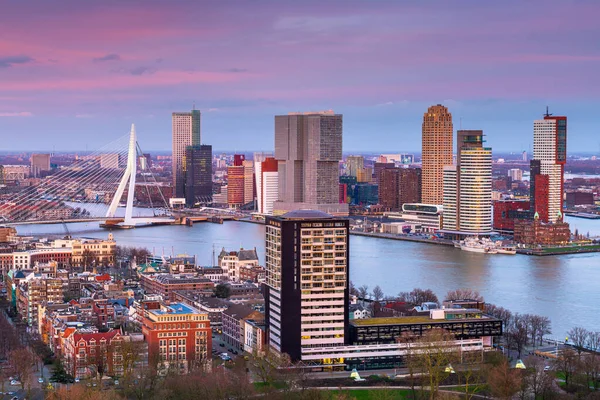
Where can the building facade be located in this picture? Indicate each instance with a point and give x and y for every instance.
(179, 337)
(550, 149)
(308, 148)
(267, 184)
(398, 186)
(437, 134)
(307, 281)
(198, 175)
(536, 232)
(39, 163)
(186, 132)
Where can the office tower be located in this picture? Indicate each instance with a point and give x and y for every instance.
(550, 149)
(39, 163)
(236, 185)
(198, 175)
(186, 132)
(267, 179)
(380, 166)
(307, 280)
(109, 160)
(436, 151)
(398, 186)
(364, 175)
(258, 158)
(468, 205)
(308, 148)
(539, 188)
(248, 181)
(524, 155)
(354, 164)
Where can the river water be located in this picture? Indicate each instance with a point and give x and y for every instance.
(564, 288)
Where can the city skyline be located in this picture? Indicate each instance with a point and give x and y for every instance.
(495, 66)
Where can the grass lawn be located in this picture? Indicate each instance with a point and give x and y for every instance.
(369, 394)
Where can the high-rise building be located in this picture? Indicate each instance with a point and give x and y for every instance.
(550, 149)
(308, 148)
(354, 164)
(524, 155)
(267, 179)
(248, 181)
(398, 186)
(515, 174)
(186, 132)
(436, 151)
(198, 175)
(468, 205)
(307, 281)
(236, 182)
(39, 163)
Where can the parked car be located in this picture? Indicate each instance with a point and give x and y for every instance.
(40, 380)
(76, 380)
(222, 344)
(14, 383)
(547, 368)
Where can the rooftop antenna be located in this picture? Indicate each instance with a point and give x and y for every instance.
(461, 123)
(193, 106)
(547, 113)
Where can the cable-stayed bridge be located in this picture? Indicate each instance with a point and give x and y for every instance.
(92, 189)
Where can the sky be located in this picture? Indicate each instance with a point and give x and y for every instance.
(76, 74)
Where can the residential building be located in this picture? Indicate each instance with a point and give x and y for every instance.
(515, 174)
(98, 251)
(579, 198)
(255, 336)
(213, 306)
(36, 290)
(165, 285)
(398, 186)
(236, 182)
(186, 132)
(365, 194)
(364, 175)
(539, 190)
(87, 354)
(308, 148)
(179, 337)
(550, 149)
(198, 175)
(306, 291)
(234, 319)
(436, 152)
(39, 163)
(267, 184)
(232, 261)
(468, 205)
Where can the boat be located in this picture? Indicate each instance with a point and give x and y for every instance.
(502, 248)
(477, 245)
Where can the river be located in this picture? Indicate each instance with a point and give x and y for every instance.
(563, 288)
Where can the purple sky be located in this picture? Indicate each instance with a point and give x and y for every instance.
(77, 73)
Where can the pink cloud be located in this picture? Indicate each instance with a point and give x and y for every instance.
(16, 114)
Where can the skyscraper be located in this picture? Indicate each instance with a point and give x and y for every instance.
(398, 186)
(550, 149)
(472, 195)
(236, 184)
(436, 151)
(307, 282)
(308, 148)
(198, 175)
(186, 132)
(267, 179)
(354, 164)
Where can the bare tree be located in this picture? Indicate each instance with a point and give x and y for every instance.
(503, 381)
(593, 342)
(516, 334)
(471, 375)
(363, 292)
(578, 336)
(536, 382)
(567, 363)
(545, 328)
(353, 290)
(418, 296)
(377, 293)
(590, 366)
(464, 294)
(21, 361)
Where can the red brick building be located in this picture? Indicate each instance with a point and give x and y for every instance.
(537, 232)
(507, 211)
(178, 336)
(398, 186)
(166, 284)
(542, 187)
(88, 354)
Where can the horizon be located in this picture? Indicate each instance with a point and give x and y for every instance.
(82, 72)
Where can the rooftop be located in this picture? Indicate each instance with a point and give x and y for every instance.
(417, 319)
(306, 214)
(175, 308)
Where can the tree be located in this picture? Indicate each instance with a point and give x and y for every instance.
(265, 366)
(503, 381)
(377, 293)
(578, 337)
(590, 366)
(222, 291)
(88, 258)
(567, 363)
(471, 374)
(59, 374)
(363, 292)
(536, 383)
(435, 350)
(353, 290)
(516, 334)
(418, 296)
(21, 361)
(130, 351)
(464, 294)
(593, 342)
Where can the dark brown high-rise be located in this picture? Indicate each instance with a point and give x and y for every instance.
(398, 186)
(436, 152)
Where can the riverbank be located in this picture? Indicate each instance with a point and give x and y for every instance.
(443, 242)
(555, 251)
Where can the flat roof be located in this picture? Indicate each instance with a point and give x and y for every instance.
(174, 309)
(417, 319)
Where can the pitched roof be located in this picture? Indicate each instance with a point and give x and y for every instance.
(97, 336)
(246, 255)
(238, 311)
